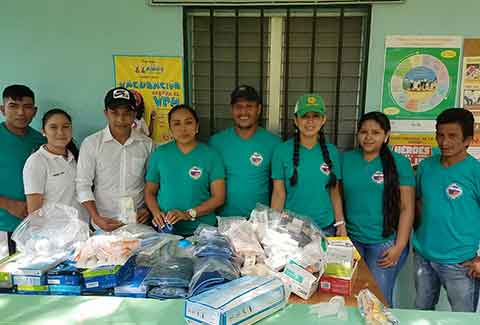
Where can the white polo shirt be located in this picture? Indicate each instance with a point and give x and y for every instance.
(116, 171)
(53, 176)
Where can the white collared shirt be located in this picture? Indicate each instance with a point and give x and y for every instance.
(116, 171)
(53, 176)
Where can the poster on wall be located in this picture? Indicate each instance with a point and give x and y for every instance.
(470, 90)
(160, 82)
(415, 147)
(421, 76)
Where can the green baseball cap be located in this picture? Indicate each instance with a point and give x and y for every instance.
(309, 103)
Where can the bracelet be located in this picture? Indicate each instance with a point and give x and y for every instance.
(339, 223)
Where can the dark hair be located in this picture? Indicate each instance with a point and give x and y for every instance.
(326, 157)
(71, 145)
(391, 184)
(16, 92)
(179, 107)
(461, 116)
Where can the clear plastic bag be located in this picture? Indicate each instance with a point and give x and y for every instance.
(242, 236)
(209, 242)
(135, 230)
(284, 234)
(174, 272)
(373, 311)
(212, 271)
(52, 229)
(104, 250)
(334, 307)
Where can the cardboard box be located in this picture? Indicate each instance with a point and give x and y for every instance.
(341, 256)
(339, 285)
(104, 277)
(65, 274)
(33, 290)
(303, 283)
(242, 301)
(65, 290)
(27, 280)
(7, 266)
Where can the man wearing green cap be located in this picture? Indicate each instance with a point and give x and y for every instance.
(306, 170)
(247, 151)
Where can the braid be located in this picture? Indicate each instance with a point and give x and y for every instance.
(326, 157)
(391, 192)
(296, 157)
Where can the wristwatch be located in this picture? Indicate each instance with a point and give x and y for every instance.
(192, 213)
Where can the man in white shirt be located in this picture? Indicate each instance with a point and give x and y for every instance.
(113, 160)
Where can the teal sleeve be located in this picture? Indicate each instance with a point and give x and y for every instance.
(153, 172)
(277, 164)
(336, 161)
(214, 143)
(405, 172)
(217, 170)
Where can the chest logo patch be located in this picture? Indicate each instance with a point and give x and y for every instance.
(195, 172)
(454, 191)
(378, 177)
(325, 169)
(256, 159)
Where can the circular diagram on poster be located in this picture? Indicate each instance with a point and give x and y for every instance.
(419, 83)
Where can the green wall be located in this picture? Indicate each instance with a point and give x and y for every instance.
(63, 49)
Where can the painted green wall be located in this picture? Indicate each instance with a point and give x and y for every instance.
(63, 49)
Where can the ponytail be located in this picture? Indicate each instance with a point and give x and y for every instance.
(73, 149)
(391, 192)
(296, 157)
(332, 182)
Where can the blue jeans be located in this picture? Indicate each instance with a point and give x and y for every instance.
(385, 277)
(330, 231)
(462, 291)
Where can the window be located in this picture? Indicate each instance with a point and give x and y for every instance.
(283, 53)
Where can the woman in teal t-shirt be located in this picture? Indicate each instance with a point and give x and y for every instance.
(185, 178)
(378, 188)
(305, 170)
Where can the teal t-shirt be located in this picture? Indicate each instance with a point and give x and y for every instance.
(247, 168)
(14, 150)
(309, 196)
(363, 194)
(449, 228)
(184, 180)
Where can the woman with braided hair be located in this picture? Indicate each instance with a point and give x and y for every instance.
(306, 170)
(378, 188)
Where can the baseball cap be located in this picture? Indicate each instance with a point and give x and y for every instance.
(120, 96)
(244, 92)
(309, 103)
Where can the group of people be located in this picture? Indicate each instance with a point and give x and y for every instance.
(370, 193)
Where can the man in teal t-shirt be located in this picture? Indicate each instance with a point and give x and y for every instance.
(448, 232)
(247, 151)
(18, 142)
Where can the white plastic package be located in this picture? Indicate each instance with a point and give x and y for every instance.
(52, 229)
(334, 307)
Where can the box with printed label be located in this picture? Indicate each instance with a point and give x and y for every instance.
(28, 280)
(341, 256)
(339, 285)
(242, 301)
(303, 283)
(33, 290)
(65, 290)
(104, 277)
(8, 265)
(134, 286)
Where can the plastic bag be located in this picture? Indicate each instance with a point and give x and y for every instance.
(242, 236)
(52, 229)
(212, 271)
(335, 306)
(373, 311)
(104, 250)
(209, 242)
(175, 272)
(135, 230)
(284, 234)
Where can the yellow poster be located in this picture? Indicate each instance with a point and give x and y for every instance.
(415, 147)
(160, 82)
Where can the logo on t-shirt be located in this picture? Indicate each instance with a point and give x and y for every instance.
(454, 191)
(378, 177)
(325, 169)
(195, 172)
(256, 159)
